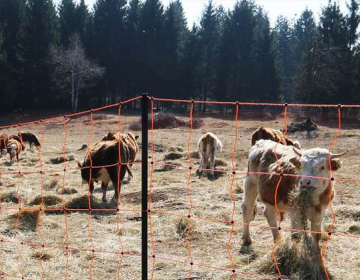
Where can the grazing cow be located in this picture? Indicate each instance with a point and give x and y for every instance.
(30, 138)
(292, 190)
(13, 148)
(3, 144)
(209, 146)
(103, 154)
(275, 135)
(128, 139)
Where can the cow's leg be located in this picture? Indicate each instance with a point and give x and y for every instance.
(316, 221)
(202, 164)
(129, 176)
(248, 204)
(272, 218)
(113, 172)
(212, 165)
(91, 187)
(104, 187)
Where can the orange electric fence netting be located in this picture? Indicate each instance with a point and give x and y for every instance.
(233, 269)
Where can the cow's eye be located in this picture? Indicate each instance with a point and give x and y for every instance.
(322, 168)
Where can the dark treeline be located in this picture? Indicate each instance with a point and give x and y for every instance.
(70, 57)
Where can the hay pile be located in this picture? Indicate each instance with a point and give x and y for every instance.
(58, 160)
(296, 260)
(163, 120)
(307, 125)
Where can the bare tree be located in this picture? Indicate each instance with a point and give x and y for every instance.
(74, 71)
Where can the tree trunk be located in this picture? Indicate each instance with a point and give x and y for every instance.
(73, 91)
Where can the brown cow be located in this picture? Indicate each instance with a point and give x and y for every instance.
(3, 144)
(292, 190)
(275, 135)
(29, 137)
(103, 154)
(13, 148)
(128, 139)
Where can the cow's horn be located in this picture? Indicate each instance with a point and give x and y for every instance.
(338, 155)
(297, 151)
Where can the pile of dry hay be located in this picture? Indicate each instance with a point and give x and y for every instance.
(163, 120)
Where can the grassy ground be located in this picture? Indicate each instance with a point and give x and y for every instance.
(175, 192)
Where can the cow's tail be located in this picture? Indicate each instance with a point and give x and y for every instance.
(254, 211)
(129, 170)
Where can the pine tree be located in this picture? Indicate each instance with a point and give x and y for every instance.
(209, 42)
(109, 44)
(152, 49)
(40, 32)
(68, 19)
(285, 59)
(82, 20)
(266, 87)
(175, 38)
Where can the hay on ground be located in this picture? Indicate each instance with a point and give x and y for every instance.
(163, 121)
(49, 200)
(173, 156)
(10, 197)
(82, 202)
(67, 191)
(27, 219)
(61, 159)
(296, 260)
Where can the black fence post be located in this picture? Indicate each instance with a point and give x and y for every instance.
(144, 186)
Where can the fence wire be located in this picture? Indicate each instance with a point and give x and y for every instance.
(233, 269)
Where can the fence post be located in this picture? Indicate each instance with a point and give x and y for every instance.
(144, 187)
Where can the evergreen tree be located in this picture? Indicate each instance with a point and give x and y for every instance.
(209, 42)
(68, 20)
(175, 38)
(40, 32)
(267, 86)
(133, 50)
(110, 43)
(152, 47)
(82, 20)
(352, 22)
(285, 61)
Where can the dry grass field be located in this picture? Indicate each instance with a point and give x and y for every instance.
(174, 193)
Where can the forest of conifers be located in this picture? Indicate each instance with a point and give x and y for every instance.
(124, 48)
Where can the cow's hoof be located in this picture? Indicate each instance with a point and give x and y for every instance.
(247, 241)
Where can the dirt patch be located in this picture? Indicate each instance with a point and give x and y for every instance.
(156, 195)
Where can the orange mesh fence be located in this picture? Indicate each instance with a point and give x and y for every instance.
(233, 269)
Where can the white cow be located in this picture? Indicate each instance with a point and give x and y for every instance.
(209, 146)
(292, 190)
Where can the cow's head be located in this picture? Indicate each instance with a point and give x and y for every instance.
(316, 162)
(13, 149)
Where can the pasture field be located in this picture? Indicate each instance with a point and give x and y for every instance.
(173, 194)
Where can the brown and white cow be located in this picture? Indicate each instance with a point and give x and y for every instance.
(209, 146)
(275, 135)
(3, 144)
(311, 162)
(14, 148)
(129, 139)
(29, 137)
(105, 153)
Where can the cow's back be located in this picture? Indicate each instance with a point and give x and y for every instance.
(270, 157)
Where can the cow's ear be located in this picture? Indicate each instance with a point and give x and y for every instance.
(79, 164)
(335, 164)
(136, 137)
(296, 162)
